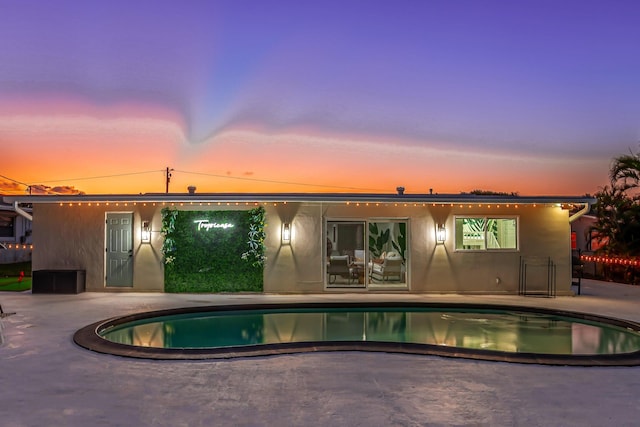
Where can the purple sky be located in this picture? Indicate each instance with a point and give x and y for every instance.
(550, 81)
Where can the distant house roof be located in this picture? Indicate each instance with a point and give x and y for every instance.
(7, 214)
(7, 209)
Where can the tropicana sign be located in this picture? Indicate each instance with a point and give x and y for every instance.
(204, 224)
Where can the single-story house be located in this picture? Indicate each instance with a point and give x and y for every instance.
(581, 234)
(307, 242)
(15, 234)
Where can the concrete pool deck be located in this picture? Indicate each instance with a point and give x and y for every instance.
(45, 379)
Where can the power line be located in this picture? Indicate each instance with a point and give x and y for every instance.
(168, 171)
(97, 177)
(64, 181)
(276, 182)
(13, 180)
(29, 187)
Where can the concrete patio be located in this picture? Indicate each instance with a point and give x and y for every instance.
(45, 379)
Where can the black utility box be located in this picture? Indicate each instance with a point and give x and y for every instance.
(57, 281)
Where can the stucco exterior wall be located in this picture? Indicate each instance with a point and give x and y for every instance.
(73, 237)
(296, 267)
(544, 233)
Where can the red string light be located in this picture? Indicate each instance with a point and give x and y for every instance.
(610, 260)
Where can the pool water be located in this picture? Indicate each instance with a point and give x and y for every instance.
(464, 328)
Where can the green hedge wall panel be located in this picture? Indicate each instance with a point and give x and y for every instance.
(208, 258)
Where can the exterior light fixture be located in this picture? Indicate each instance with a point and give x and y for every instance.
(145, 234)
(286, 233)
(441, 234)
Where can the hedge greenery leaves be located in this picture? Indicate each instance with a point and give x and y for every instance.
(203, 251)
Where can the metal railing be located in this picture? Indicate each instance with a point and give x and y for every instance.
(537, 276)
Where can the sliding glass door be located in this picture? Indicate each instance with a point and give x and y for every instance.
(345, 257)
(370, 253)
(388, 252)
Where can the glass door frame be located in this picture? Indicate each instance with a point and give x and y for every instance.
(362, 267)
(391, 246)
(349, 273)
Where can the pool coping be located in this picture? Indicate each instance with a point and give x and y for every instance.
(88, 337)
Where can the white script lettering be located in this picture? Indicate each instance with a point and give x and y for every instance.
(204, 224)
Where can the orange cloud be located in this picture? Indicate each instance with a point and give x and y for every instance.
(8, 187)
(63, 190)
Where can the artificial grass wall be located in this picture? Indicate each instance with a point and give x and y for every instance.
(205, 254)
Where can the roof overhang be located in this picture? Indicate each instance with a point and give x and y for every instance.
(437, 199)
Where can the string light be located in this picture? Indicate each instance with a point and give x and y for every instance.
(18, 246)
(610, 260)
(348, 203)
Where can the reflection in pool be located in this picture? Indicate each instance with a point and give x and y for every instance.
(464, 328)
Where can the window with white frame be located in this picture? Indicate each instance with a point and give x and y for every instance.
(480, 233)
(7, 226)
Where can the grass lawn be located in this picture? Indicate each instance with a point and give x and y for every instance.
(9, 276)
(12, 284)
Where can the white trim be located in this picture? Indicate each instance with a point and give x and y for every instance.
(426, 199)
(486, 249)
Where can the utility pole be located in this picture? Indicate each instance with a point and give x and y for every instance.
(168, 176)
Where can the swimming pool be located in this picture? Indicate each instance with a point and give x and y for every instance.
(489, 332)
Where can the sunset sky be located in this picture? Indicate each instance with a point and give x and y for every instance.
(534, 97)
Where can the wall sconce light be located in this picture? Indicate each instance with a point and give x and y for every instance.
(286, 233)
(441, 234)
(145, 234)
